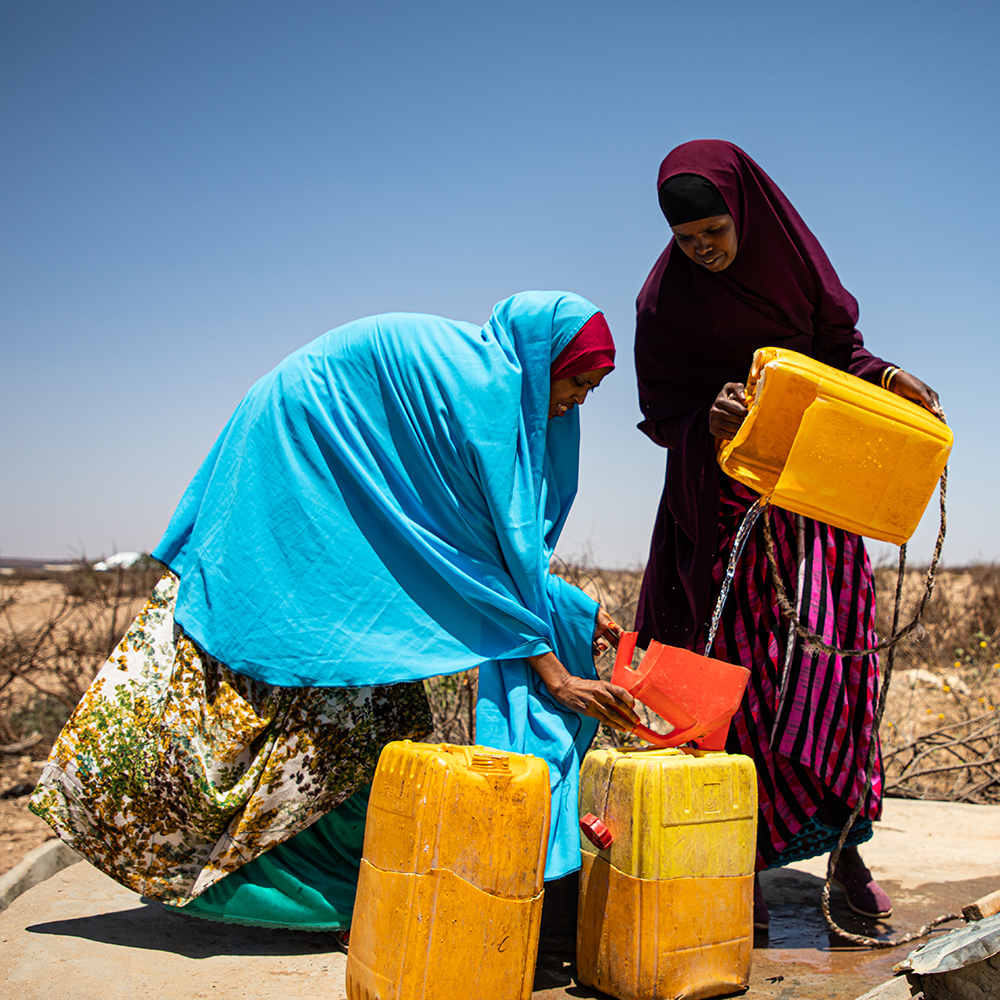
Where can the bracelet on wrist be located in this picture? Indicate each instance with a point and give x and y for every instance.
(888, 375)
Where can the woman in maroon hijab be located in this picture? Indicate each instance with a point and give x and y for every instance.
(743, 271)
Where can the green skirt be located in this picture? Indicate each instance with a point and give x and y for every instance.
(307, 883)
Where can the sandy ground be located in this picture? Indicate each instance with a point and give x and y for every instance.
(35, 602)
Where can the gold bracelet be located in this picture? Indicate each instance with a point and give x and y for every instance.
(888, 375)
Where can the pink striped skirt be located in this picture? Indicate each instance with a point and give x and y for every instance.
(806, 719)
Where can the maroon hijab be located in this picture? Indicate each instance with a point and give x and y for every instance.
(695, 331)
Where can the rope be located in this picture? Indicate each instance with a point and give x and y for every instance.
(815, 643)
(924, 930)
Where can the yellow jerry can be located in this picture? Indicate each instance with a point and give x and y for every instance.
(450, 894)
(834, 447)
(666, 909)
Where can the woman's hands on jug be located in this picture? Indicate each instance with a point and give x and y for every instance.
(601, 700)
(910, 387)
(728, 411)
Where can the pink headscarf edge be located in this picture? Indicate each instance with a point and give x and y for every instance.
(592, 348)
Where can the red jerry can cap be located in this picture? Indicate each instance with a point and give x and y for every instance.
(596, 832)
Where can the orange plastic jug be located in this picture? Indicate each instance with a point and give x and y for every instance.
(695, 694)
(666, 905)
(450, 892)
(834, 447)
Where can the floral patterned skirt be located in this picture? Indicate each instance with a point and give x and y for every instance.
(174, 771)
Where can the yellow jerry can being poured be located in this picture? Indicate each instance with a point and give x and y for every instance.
(666, 889)
(834, 447)
(450, 892)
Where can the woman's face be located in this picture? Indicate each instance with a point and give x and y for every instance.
(569, 392)
(709, 242)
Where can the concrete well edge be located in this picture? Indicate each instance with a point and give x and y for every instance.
(41, 863)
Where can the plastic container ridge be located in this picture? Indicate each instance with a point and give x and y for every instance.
(822, 443)
(667, 909)
(451, 884)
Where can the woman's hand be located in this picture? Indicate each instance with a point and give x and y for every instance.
(910, 387)
(728, 411)
(600, 700)
(607, 632)
(608, 703)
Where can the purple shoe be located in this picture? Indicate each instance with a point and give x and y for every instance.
(761, 916)
(864, 894)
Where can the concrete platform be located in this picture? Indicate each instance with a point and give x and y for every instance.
(80, 935)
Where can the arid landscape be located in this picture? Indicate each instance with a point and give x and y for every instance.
(940, 732)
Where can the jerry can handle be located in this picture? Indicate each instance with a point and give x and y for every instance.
(664, 741)
(490, 763)
(622, 670)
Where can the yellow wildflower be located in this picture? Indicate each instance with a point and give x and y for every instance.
(940, 715)
(945, 688)
(982, 645)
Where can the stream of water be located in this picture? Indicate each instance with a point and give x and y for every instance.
(758, 508)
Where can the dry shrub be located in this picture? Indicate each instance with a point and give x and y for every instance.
(940, 735)
(56, 631)
(941, 730)
(617, 590)
(453, 706)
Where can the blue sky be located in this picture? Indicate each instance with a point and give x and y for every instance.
(191, 190)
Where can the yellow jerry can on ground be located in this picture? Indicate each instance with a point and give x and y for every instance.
(666, 909)
(834, 447)
(450, 894)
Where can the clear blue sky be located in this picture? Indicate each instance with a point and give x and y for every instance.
(191, 190)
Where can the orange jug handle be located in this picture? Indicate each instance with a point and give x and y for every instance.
(667, 741)
(623, 658)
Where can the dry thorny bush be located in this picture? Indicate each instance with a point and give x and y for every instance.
(940, 734)
(52, 644)
(941, 730)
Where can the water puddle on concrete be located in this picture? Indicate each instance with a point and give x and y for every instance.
(798, 958)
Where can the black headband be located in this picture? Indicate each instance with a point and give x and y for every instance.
(689, 197)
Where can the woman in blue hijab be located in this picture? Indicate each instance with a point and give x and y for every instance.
(381, 508)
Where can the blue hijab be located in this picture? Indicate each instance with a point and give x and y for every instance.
(383, 506)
